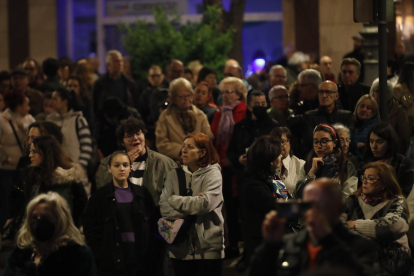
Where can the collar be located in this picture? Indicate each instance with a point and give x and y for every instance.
(186, 170)
(136, 190)
(286, 162)
(322, 110)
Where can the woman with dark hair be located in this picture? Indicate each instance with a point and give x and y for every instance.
(66, 67)
(127, 212)
(34, 130)
(48, 242)
(383, 146)
(290, 167)
(77, 144)
(366, 115)
(201, 250)
(261, 189)
(51, 170)
(378, 211)
(209, 76)
(76, 84)
(327, 159)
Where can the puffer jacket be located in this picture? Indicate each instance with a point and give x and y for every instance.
(205, 239)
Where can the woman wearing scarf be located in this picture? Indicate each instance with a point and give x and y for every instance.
(327, 159)
(261, 189)
(234, 93)
(378, 211)
(179, 119)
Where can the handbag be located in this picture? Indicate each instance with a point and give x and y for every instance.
(175, 232)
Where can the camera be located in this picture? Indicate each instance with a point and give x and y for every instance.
(292, 209)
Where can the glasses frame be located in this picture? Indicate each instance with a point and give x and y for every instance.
(369, 181)
(323, 143)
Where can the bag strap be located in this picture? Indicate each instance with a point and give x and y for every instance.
(15, 135)
(182, 182)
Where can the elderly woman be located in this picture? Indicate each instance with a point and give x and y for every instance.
(378, 211)
(396, 115)
(48, 242)
(179, 119)
(234, 93)
(344, 138)
(366, 115)
(290, 167)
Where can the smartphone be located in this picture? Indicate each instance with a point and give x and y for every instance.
(292, 208)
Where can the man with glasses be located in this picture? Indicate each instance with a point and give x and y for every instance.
(327, 113)
(279, 100)
(351, 90)
(149, 169)
(256, 124)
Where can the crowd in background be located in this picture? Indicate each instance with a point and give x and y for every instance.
(95, 167)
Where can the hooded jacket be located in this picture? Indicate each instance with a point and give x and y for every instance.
(205, 239)
(67, 183)
(77, 143)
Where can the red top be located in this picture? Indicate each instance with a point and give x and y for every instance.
(239, 113)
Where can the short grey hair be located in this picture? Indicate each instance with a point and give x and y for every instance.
(111, 53)
(375, 86)
(275, 67)
(238, 85)
(176, 84)
(312, 76)
(298, 58)
(339, 127)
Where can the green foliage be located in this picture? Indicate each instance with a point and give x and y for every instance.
(157, 43)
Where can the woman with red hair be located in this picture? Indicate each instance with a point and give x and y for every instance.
(201, 250)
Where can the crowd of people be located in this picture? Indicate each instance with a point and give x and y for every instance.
(105, 175)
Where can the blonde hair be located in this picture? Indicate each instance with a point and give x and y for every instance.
(66, 231)
(238, 85)
(176, 84)
(375, 106)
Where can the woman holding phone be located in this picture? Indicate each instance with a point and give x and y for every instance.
(327, 159)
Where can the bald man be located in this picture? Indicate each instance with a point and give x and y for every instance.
(175, 70)
(327, 113)
(324, 242)
(325, 64)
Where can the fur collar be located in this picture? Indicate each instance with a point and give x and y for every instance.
(74, 174)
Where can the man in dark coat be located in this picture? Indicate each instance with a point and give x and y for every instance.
(351, 90)
(358, 54)
(51, 83)
(20, 83)
(114, 83)
(326, 113)
(325, 242)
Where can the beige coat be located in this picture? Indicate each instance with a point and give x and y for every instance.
(170, 135)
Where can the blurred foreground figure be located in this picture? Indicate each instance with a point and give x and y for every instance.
(325, 242)
(48, 242)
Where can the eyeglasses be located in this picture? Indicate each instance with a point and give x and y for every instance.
(327, 92)
(350, 72)
(369, 180)
(130, 137)
(286, 97)
(189, 96)
(343, 140)
(323, 143)
(284, 142)
(227, 92)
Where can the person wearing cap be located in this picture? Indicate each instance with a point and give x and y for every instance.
(350, 89)
(358, 54)
(279, 100)
(20, 84)
(326, 113)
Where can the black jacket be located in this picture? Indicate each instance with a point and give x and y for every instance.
(340, 250)
(67, 184)
(244, 134)
(349, 99)
(100, 92)
(104, 237)
(319, 116)
(404, 169)
(256, 202)
(69, 260)
(147, 102)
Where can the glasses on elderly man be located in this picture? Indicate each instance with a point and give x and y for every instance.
(327, 92)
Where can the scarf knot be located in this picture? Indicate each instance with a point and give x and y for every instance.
(372, 199)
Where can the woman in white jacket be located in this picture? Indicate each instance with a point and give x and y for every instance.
(202, 250)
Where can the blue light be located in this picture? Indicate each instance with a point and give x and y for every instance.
(258, 64)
